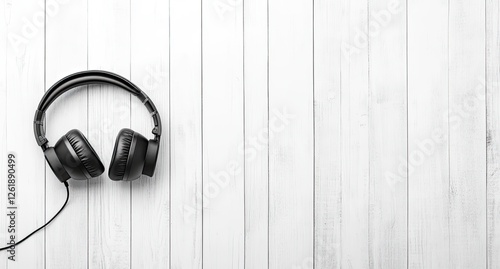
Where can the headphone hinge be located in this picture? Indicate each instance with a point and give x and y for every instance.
(156, 131)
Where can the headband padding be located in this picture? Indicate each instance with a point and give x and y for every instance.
(121, 151)
(85, 153)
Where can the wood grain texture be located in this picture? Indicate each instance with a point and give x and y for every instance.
(388, 133)
(291, 121)
(428, 130)
(256, 145)
(493, 132)
(222, 125)
(467, 119)
(109, 111)
(355, 240)
(25, 58)
(327, 133)
(296, 134)
(66, 53)
(186, 134)
(150, 220)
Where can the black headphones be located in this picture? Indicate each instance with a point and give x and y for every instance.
(73, 156)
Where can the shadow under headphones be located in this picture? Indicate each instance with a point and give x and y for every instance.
(73, 157)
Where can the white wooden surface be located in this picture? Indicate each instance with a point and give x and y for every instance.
(493, 133)
(429, 182)
(297, 134)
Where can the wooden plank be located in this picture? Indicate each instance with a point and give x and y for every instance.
(150, 196)
(223, 178)
(66, 52)
(291, 121)
(493, 132)
(4, 21)
(327, 136)
(256, 146)
(388, 133)
(355, 136)
(186, 134)
(25, 59)
(467, 134)
(109, 111)
(428, 157)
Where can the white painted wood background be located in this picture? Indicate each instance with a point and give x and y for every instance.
(298, 134)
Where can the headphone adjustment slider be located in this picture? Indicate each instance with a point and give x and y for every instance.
(38, 124)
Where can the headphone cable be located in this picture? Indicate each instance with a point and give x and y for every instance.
(60, 210)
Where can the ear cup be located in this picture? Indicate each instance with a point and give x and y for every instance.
(151, 158)
(119, 158)
(85, 153)
(55, 164)
(128, 156)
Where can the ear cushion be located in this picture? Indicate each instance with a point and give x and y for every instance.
(85, 153)
(121, 151)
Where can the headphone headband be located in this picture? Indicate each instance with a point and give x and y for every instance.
(87, 78)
